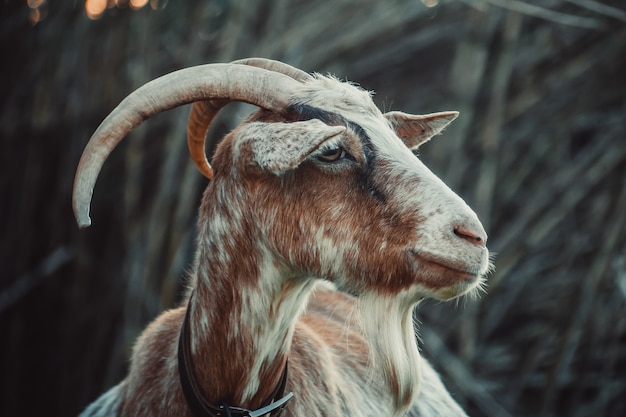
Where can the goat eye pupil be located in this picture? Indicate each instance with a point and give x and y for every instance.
(332, 154)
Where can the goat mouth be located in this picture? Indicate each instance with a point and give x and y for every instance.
(454, 266)
(437, 273)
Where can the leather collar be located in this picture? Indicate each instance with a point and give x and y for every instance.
(198, 404)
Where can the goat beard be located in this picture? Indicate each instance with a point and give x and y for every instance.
(387, 322)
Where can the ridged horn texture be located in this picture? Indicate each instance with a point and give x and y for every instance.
(223, 82)
(276, 66)
(203, 112)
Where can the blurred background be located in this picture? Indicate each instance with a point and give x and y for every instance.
(539, 151)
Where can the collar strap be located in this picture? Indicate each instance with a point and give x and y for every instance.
(193, 395)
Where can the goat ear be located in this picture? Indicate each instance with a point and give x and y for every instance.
(416, 129)
(279, 147)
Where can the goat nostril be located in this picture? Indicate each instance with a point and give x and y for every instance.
(468, 235)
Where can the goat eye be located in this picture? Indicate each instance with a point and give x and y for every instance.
(332, 154)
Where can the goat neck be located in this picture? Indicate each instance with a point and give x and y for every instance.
(244, 314)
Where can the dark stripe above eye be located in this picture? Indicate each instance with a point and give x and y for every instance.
(302, 112)
(369, 171)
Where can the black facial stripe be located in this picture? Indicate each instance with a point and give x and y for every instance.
(360, 132)
(370, 167)
(305, 112)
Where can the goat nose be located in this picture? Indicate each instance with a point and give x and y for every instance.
(477, 237)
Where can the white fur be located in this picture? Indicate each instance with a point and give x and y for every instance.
(107, 404)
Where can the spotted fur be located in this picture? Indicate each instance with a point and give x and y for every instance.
(276, 224)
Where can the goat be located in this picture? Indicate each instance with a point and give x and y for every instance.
(318, 234)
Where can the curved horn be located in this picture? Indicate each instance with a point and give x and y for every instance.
(203, 112)
(200, 118)
(276, 66)
(266, 89)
